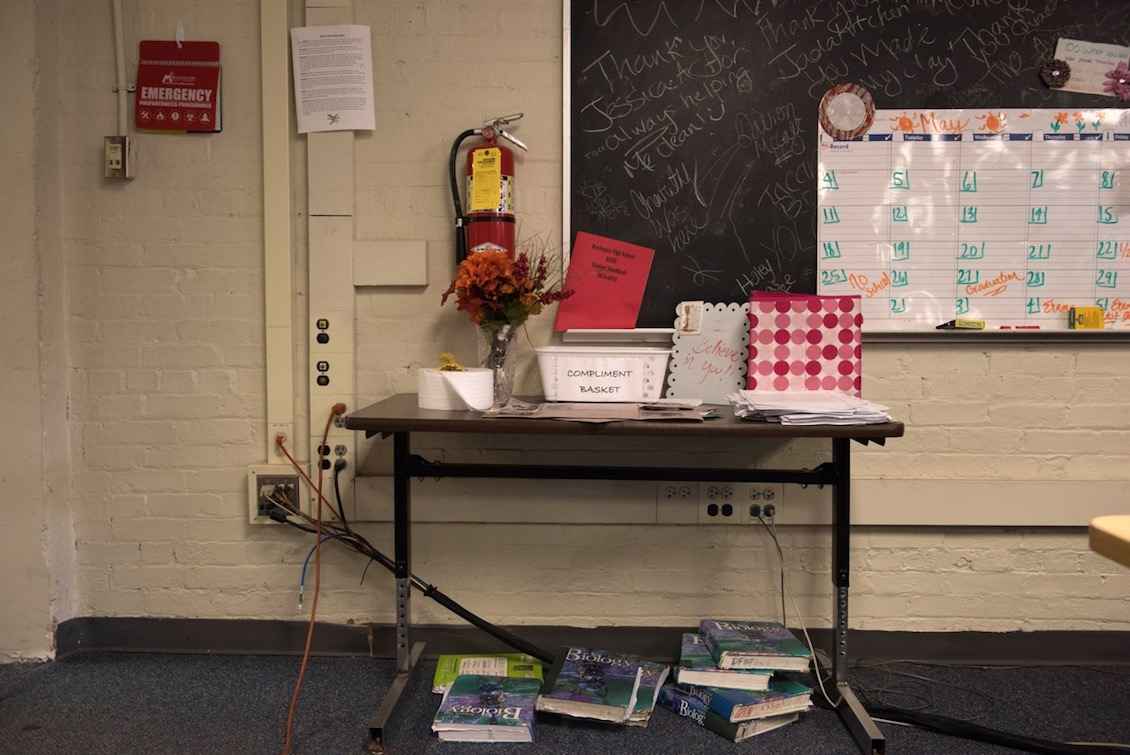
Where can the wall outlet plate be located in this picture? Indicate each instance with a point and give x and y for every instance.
(737, 502)
(118, 156)
(264, 480)
(678, 491)
(718, 505)
(676, 502)
(755, 497)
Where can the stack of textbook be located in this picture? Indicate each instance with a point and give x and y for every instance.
(728, 678)
(486, 698)
(487, 709)
(603, 686)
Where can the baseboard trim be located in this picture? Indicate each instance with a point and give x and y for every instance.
(104, 634)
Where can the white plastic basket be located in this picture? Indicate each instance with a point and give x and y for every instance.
(602, 373)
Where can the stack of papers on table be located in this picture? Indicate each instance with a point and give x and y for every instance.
(656, 411)
(807, 408)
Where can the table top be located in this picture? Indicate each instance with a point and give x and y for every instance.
(400, 413)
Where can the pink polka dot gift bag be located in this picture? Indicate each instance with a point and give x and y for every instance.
(803, 342)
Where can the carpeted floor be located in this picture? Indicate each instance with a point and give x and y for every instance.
(115, 704)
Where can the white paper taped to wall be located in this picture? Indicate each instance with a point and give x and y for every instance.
(333, 78)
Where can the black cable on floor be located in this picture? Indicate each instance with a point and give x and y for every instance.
(956, 728)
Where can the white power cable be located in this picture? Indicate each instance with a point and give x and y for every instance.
(771, 529)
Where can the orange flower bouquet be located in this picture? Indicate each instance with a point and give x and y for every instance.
(499, 291)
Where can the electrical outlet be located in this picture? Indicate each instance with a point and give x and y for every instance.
(678, 491)
(761, 499)
(267, 480)
(718, 504)
(339, 447)
(675, 502)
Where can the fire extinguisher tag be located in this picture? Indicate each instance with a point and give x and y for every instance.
(485, 190)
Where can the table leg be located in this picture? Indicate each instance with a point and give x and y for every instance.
(407, 654)
(402, 545)
(866, 734)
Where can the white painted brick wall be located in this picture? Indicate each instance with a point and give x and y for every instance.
(164, 291)
(25, 591)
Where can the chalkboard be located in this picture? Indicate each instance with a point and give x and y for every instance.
(691, 125)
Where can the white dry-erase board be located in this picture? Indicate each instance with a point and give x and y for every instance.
(691, 127)
(1011, 216)
(711, 362)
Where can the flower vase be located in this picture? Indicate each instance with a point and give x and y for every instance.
(494, 353)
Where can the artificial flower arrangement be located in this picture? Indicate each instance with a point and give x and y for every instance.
(499, 290)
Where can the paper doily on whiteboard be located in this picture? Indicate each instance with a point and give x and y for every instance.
(711, 364)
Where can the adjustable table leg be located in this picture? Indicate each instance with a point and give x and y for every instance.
(407, 655)
(866, 734)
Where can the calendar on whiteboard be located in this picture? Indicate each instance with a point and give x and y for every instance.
(1011, 216)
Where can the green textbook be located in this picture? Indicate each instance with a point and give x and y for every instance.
(487, 709)
(753, 645)
(697, 666)
(514, 665)
(587, 683)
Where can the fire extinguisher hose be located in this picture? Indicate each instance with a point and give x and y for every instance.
(460, 232)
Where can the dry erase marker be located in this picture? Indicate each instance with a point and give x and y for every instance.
(1086, 318)
(962, 324)
(1020, 327)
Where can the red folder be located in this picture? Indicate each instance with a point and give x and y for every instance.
(607, 278)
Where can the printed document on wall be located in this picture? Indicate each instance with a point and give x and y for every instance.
(333, 78)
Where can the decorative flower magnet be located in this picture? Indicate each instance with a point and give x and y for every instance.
(1055, 74)
(1118, 82)
(846, 111)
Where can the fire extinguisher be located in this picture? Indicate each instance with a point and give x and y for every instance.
(488, 223)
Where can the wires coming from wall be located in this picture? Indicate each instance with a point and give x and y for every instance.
(339, 466)
(771, 530)
(780, 560)
(335, 411)
(288, 512)
(305, 563)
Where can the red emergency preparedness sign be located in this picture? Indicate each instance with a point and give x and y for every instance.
(178, 86)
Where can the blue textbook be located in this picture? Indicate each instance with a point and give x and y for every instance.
(692, 707)
(743, 705)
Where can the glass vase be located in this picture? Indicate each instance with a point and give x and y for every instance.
(495, 354)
